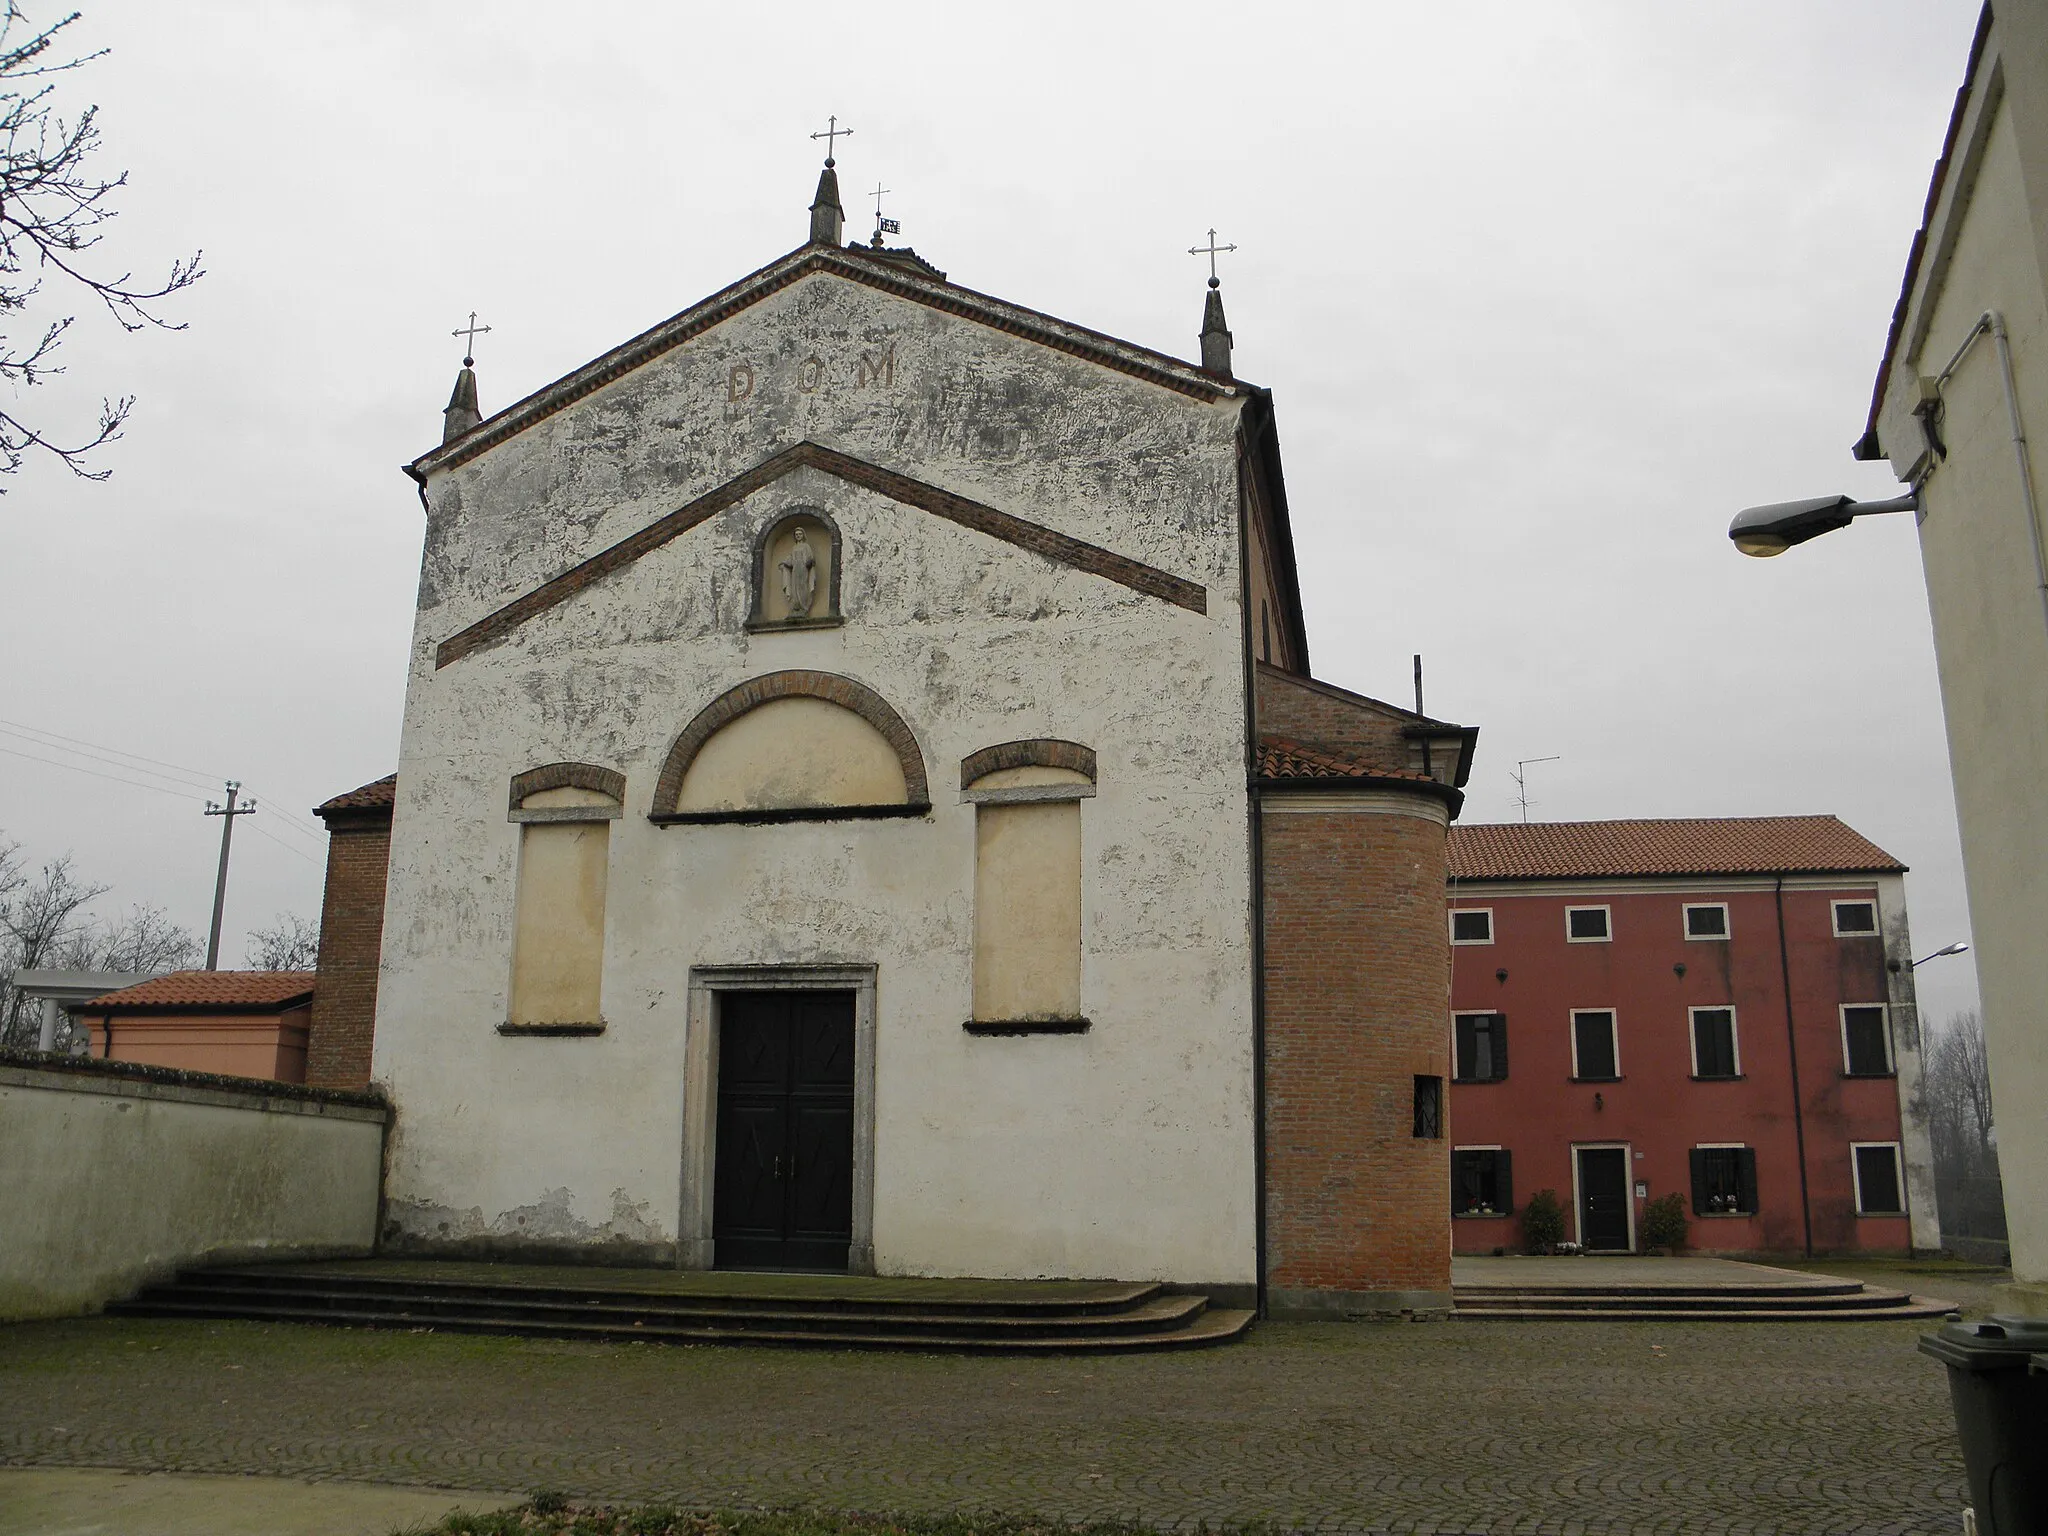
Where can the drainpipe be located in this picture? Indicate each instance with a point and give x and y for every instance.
(1792, 1051)
(1991, 323)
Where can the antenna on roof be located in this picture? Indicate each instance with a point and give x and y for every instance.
(1521, 778)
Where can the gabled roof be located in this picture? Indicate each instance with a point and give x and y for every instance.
(197, 991)
(378, 794)
(880, 270)
(1735, 845)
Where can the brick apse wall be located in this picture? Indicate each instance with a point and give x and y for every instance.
(1357, 967)
(351, 940)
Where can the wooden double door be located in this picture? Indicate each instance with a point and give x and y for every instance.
(782, 1187)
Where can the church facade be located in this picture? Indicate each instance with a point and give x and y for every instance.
(862, 804)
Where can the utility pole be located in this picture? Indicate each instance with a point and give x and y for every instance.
(227, 814)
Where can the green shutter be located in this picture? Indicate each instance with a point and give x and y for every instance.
(1699, 1181)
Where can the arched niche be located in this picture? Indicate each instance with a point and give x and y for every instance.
(793, 746)
(796, 553)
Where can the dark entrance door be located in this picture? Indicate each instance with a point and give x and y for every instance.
(783, 1180)
(1603, 1197)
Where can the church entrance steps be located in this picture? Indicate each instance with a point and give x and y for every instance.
(1671, 1290)
(669, 1306)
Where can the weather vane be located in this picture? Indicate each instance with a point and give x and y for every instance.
(832, 131)
(883, 226)
(469, 334)
(1212, 250)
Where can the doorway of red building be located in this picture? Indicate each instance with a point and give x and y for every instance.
(1606, 1215)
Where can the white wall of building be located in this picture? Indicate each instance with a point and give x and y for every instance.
(1990, 626)
(1126, 1151)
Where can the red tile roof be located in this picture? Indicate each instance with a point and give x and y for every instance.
(1281, 758)
(241, 991)
(1734, 845)
(379, 793)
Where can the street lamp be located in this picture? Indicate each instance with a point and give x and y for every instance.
(1771, 530)
(1960, 947)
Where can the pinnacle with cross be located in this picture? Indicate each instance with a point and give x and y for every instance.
(1212, 250)
(832, 132)
(469, 334)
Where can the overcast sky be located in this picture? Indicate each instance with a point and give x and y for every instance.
(1546, 292)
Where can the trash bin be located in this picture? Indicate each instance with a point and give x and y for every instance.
(2001, 1418)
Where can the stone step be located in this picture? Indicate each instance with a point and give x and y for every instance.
(1788, 1288)
(737, 1292)
(640, 1313)
(1892, 1308)
(1676, 1301)
(1206, 1326)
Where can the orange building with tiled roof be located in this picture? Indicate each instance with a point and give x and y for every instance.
(235, 1023)
(1717, 1008)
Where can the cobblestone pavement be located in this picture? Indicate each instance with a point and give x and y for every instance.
(1459, 1426)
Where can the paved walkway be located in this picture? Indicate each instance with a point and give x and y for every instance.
(79, 1502)
(1504, 1427)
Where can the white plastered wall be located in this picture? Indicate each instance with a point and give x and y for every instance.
(1990, 633)
(1126, 1151)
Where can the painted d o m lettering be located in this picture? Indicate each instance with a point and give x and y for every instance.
(813, 374)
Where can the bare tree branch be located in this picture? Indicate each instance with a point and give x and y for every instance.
(291, 943)
(36, 921)
(51, 210)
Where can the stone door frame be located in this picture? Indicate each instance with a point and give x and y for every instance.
(700, 1096)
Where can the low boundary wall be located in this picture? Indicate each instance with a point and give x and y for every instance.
(114, 1174)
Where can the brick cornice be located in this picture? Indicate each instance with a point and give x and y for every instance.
(795, 684)
(1058, 547)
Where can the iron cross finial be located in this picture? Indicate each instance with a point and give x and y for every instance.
(832, 132)
(1212, 250)
(882, 226)
(469, 334)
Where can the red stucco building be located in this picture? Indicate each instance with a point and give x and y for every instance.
(1722, 1008)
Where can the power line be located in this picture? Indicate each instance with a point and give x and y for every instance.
(287, 847)
(203, 780)
(157, 789)
(37, 730)
(110, 778)
(98, 757)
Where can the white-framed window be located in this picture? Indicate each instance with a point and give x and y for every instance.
(1855, 919)
(1866, 1040)
(1723, 1179)
(1479, 1051)
(1716, 1048)
(1482, 1183)
(1587, 925)
(1880, 1191)
(1596, 1054)
(1472, 925)
(1706, 920)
